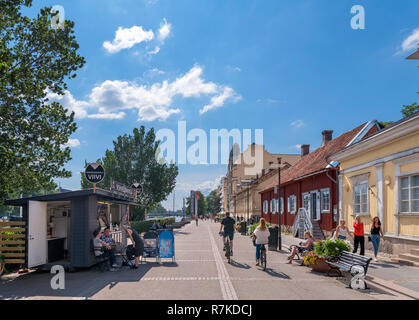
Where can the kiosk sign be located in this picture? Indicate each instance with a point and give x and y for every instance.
(94, 173)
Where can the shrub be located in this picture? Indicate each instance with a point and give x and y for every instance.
(330, 247)
(255, 225)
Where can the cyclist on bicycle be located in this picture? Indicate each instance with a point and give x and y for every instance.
(262, 234)
(229, 225)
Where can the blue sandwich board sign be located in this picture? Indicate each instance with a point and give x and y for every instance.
(166, 245)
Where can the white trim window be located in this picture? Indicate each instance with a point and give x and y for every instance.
(272, 203)
(306, 201)
(282, 204)
(409, 194)
(360, 198)
(265, 206)
(292, 204)
(325, 200)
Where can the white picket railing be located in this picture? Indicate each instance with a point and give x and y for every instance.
(302, 223)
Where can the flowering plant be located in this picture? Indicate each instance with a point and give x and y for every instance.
(312, 258)
(331, 247)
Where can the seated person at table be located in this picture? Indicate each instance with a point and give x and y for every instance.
(106, 237)
(302, 246)
(103, 249)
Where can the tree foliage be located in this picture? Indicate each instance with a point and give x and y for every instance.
(202, 204)
(214, 202)
(133, 159)
(34, 59)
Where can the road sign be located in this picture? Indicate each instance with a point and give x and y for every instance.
(94, 173)
(137, 187)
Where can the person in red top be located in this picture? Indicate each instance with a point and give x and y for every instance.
(359, 238)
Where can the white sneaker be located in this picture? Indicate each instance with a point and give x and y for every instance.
(115, 265)
(375, 259)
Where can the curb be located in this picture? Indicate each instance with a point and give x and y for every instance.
(389, 286)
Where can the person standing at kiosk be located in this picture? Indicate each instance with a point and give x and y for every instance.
(137, 242)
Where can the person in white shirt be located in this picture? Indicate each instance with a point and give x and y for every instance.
(261, 234)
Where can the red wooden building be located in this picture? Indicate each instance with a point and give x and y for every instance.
(311, 183)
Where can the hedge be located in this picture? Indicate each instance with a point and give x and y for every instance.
(144, 226)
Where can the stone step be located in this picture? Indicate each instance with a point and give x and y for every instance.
(405, 262)
(410, 257)
(414, 252)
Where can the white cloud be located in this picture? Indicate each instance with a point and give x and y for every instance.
(165, 30)
(72, 143)
(69, 103)
(127, 38)
(156, 50)
(297, 124)
(219, 100)
(204, 186)
(152, 102)
(107, 116)
(411, 42)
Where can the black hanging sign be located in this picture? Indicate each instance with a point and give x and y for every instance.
(94, 173)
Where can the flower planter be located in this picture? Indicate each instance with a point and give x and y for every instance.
(320, 266)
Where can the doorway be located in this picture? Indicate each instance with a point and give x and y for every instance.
(314, 205)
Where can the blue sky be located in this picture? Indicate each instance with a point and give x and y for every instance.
(292, 68)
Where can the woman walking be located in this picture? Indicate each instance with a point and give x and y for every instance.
(376, 231)
(342, 231)
(359, 239)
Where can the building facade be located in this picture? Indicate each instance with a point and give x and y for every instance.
(379, 176)
(311, 184)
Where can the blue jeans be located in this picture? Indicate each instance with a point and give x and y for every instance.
(375, 239)
(111, 255)
(258, 248)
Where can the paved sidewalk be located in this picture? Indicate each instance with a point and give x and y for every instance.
(388, 273)
(200, 272)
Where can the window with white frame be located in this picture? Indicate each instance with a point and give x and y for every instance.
(265, 206)
(273, 210)
(292, 204)
(306, 201)
(409, 194)
(360, 200)
(325, 200)
(282, 205)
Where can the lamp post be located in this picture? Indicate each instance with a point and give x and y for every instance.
(279, 206)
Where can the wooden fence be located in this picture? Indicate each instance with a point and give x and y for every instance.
(12, 241)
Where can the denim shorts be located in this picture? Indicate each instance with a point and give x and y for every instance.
(230, 234)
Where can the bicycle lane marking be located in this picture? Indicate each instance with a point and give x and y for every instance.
(226, 285)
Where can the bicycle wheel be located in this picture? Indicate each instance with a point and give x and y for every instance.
(228, 251)
(263, 257)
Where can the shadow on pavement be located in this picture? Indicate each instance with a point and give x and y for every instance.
(276, 274)
(81, 284)
(239, 265)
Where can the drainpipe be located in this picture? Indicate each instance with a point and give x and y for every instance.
(337, 188)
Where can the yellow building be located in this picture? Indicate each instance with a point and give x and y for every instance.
(379, 176)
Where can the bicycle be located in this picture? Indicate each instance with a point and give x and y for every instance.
(262, 253)
(227, 248)
(262, 256)
(2, 266)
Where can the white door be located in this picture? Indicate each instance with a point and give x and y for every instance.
(37, 239)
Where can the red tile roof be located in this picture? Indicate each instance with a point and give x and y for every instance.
(315, 161)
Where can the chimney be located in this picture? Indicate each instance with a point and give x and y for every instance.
(327, 136)
(305, 149)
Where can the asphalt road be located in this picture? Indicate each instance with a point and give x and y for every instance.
(200, 272)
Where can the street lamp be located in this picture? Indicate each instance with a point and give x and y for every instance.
(279, 206)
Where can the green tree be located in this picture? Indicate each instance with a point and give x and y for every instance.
(214, 202)
(408, 110)
(133, 159)
(202, 204)
(34, 59)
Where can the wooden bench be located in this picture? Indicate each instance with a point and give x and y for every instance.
(349, 262)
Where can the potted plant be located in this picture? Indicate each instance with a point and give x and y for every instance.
(315, 262)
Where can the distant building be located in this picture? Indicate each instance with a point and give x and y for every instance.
(246, 166)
